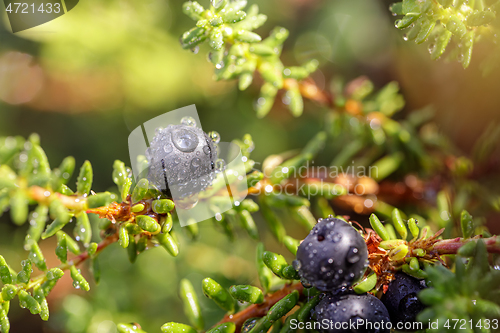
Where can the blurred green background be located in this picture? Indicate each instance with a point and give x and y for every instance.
(86, 79)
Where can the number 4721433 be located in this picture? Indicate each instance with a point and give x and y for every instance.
(462, 324)
(19, 7)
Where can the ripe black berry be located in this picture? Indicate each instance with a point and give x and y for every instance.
(401, 300)
(332, 256)
(351, 313)
(182, 159)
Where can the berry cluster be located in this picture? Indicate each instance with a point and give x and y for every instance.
(332, 258)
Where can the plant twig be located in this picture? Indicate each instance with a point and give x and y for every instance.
(451, 246)
(260, 310)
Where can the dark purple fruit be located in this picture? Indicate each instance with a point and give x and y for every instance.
(402, 303)
(332, 256)
(352, 313)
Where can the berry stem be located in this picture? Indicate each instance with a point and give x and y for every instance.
(451, 246)
(79, 259)
(260, 310)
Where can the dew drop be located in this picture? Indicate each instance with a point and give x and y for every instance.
(215, 136)
(185, 140)
(188, 121)
(353, 255)
(220, 164)
(168, 148)
(195, 164)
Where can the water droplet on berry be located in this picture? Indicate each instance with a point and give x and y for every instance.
(215, 136)
(187, 202)
(353, 255)
(195, 163)
(220, 164)
(185, 140)
(206, 150)
(188, 121)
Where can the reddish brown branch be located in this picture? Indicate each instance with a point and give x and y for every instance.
(260, 310)
(451, 246)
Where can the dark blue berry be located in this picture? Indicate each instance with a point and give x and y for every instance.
(181, 160)
(401, 300)
(351, 313)
(332, 256)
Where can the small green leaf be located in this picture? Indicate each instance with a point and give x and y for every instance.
(425, 30)
(27, 301)
(228, 327)
(140, 190)
(147, 223)
(467, 224)
(456, 26)
(232, 16)
(19, 207)
(177, 328)
(283, 306)
(410, 6)
(465, 51)
(36, 256)
(4, 321)
(168, 243)
(24, 275)
(83, 230)
(291, 244)
(247, 293)
(193, 37)
(275, 262)
(273, 222)
(407, 20)
(191, 305)
(162, 206)
(397, 8)
(92, 249)
(261, 49)
(249, 224)
(387, 165)
(468, 249)
(247, 36)
(366, 284)
(480, 17)
(245, 81)
(38, 219)
(412, 225)
(218, 294)
(78, 279)
(442, 41)
(100, 199)
(84, 183)
(216, 39)
(62, 247)
(132, 250)
(379, 227)
(265, 274)
(9, 291)
(166, 223)
(193, 9)
(304, 313)
(129, 328)
(123, 236)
